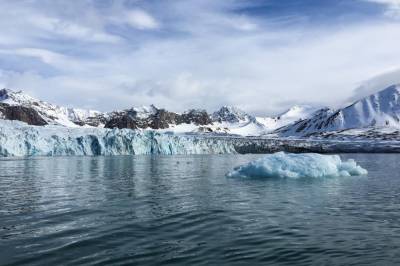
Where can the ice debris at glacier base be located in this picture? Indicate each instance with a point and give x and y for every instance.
(19, 139)
(289, 165)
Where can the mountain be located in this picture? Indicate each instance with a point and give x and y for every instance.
(368, 115)
(231, 120)
(295, 113)
(52, 114)
(231, 114)
(155, 118)
(16, 105)
(381, 109)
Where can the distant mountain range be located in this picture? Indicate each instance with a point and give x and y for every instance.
(377, 112)
(16, 105)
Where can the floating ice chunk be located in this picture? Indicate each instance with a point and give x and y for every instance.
(288, 165)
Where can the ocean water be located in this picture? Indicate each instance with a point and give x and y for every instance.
(183, 210)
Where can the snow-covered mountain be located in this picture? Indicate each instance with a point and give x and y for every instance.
(226, 120)
(296, 113)
(381, 109)
(378, 110)
(232, 120)
(231, 114)
(52, 114)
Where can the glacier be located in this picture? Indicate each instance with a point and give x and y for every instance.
(19, 139)
(287, 165)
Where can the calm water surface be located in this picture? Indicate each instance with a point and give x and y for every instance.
(182, 210)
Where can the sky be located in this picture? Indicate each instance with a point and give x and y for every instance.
(261, 56)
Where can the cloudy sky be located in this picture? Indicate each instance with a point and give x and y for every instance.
(262, 56)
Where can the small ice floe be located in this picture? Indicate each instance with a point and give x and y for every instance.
(289, 165)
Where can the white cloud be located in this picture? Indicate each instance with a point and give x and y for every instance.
(140, 19)
(45, 56)
(61, 62)
(27, 22)
(377, 82)
(393, 7)
(71, 30)
(205, 56)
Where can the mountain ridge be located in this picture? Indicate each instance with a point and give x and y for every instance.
(226, 120)
(378, 110)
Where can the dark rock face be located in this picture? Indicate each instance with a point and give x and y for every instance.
(123, 121)
(3, 94)
(230, 114)
(162, 119)
(21, 113)
(197, 117)
(156, 119)
(94, 121)
(205, 130)
(159, 119)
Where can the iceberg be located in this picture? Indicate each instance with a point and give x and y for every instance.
(289, 165)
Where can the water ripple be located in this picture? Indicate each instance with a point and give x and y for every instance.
(181, 210)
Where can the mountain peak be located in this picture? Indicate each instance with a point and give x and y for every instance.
(393, 89)
(381, 109)
(52, 114)
(145, 110)
(4, 93)
(12, 97)
(231, 114)
(297, 112)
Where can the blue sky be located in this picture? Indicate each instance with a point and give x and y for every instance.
(262, 56)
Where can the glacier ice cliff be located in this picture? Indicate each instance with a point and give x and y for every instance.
(20, 139)
(286, 165)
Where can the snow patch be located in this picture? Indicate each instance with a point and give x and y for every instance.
(288, 165)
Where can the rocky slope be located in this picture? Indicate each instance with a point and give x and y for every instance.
(155, 118)
(52, 114)
(21, 113)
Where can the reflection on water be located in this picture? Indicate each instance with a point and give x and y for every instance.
(153, 210)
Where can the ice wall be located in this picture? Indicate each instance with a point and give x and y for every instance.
(19, 139)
